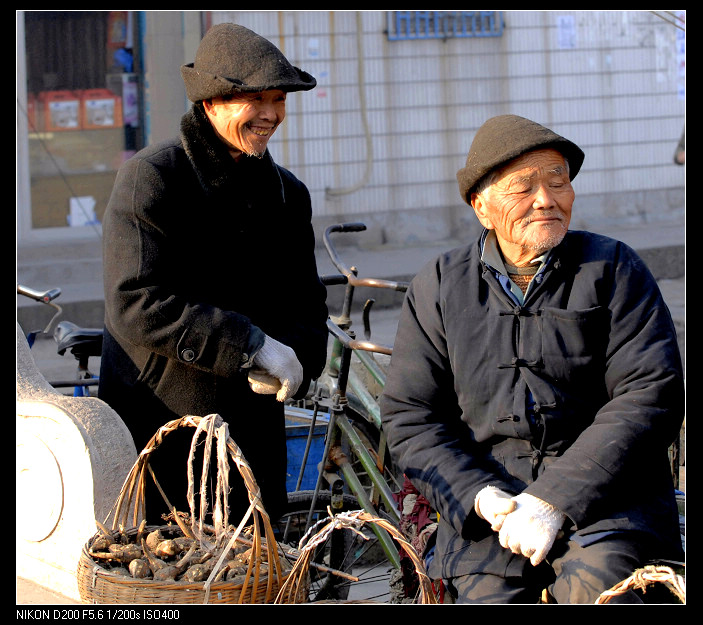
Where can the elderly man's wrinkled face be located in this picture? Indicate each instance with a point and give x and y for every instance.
(246, 121)
(528, 204)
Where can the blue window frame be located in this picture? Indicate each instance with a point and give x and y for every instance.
(405, 25)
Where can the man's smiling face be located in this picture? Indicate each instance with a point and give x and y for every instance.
(246, 121)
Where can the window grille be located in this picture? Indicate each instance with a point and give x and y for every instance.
(405, 25)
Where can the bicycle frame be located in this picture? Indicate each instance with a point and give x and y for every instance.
(366, 402)
(340, 428)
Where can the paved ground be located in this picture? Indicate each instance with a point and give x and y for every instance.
(31, 593)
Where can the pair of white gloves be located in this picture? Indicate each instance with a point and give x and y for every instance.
(276, 370)
(525, 524)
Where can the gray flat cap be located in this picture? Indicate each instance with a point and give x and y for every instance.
(502, 139)
(233, 59)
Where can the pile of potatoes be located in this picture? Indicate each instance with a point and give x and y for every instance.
(164, 554)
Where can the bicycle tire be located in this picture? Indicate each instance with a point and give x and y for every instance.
(361, 557)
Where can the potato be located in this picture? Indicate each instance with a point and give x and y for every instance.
(125, 553)
(153, 539)
(101, 543)
(139, 568)
(236, 571)
(196, 573)
(167, 549)
(166, 573)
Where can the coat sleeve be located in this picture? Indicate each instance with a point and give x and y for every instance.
(624, 449)
(144, 307)
(427, 438)
(305, 329)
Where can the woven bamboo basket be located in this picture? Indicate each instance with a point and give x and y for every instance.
(296, 582)
(646, 576)
(265, 571)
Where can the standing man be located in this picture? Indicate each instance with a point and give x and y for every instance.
(535, 387)
(213, 301)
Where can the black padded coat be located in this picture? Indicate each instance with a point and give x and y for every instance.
(573, 397)
(197, 248)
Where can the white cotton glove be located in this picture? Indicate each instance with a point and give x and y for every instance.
(532, 528)
(276, 370)
(492, 505)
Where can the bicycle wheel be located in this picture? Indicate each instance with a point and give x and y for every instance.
(344, 551)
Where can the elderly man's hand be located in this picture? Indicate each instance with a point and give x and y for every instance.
(493, 504)
(532, 528)
(276, 370)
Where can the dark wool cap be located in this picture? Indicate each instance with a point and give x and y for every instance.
(502, 139)
(233, 59)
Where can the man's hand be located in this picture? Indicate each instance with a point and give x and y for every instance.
(532, 528)
(276, 370)
(492, 504)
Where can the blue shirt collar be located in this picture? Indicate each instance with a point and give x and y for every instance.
(493, 258)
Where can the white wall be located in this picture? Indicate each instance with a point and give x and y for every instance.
(608, 80)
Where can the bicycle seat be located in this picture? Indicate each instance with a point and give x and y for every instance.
(81, 341)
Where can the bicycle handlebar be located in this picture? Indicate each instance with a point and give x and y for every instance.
(39, 296)
(43, 297)
(348, 272)
(332, 279)
(351, 343)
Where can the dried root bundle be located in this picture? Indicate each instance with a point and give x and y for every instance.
(164, 554)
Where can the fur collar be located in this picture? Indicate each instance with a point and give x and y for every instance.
(215, 168)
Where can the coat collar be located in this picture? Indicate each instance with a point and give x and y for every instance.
(554, 259)
(216, 169)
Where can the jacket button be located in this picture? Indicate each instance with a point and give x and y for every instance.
(188, 355)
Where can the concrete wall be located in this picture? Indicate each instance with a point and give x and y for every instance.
(170, 39)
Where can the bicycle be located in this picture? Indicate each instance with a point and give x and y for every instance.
(83, 343)
(355, 470)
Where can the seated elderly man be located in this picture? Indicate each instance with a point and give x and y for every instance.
(535, 387)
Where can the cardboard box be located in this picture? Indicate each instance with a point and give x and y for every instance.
(100, 108)
(62, 110)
